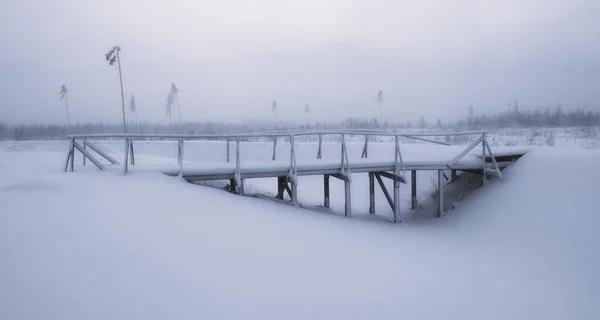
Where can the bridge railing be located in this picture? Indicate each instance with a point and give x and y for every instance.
(291, 136)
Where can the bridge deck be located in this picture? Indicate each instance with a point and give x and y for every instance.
(265, 169)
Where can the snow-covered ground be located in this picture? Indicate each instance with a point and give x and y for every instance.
(94, 245)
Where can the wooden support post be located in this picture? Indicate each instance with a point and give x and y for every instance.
(371, 193)
(348, 197)
(241, 187)
(232, 185)
(326, 190)
(281, 184)
(413, 189)
(440, 194)
(454, 176)
(397, 201)
(294, 192)
(180, 143)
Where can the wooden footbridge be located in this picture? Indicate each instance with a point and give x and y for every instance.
(236, 170)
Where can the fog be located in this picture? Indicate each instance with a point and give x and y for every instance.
(231, 59)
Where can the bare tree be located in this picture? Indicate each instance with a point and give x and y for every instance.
(380, 99)
(174, 93)
(133, 108)
(63, 94)
(169, 106)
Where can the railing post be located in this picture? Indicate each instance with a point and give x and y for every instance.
(126, 162)
(346, 173)
(227, 150)
(440, 194)
(397, 166)
(274, 148)
(365, 152)
(180, 156)
(483, 176)
(72, 163)
(68, 155)
(319, 155)
(238, 175)
(131, 150)
(84, 148)
(491, 154)
(292, 173)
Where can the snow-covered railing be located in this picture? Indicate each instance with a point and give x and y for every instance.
(275, 136)
(291, 177)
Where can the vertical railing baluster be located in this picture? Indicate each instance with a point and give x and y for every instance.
(238, 174)
(227, 149)
(126, 161)
(180, 156)
(319, 155)
(484, 177)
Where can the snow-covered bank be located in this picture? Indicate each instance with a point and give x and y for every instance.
(91, 245)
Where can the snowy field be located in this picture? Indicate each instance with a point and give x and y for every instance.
(96, 245)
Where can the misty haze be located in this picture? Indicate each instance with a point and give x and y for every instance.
(299, 159)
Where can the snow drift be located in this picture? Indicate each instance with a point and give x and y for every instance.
(91, 245)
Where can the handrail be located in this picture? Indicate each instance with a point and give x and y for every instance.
(171, 136)
(399, 167)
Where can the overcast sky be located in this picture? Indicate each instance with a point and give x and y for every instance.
(232, 58)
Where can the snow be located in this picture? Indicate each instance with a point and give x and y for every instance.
(96, 245)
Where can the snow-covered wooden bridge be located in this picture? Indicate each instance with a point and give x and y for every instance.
(441, 157)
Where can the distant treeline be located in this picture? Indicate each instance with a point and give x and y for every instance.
(508, 119)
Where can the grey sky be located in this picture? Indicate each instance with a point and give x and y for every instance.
(232, 58)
